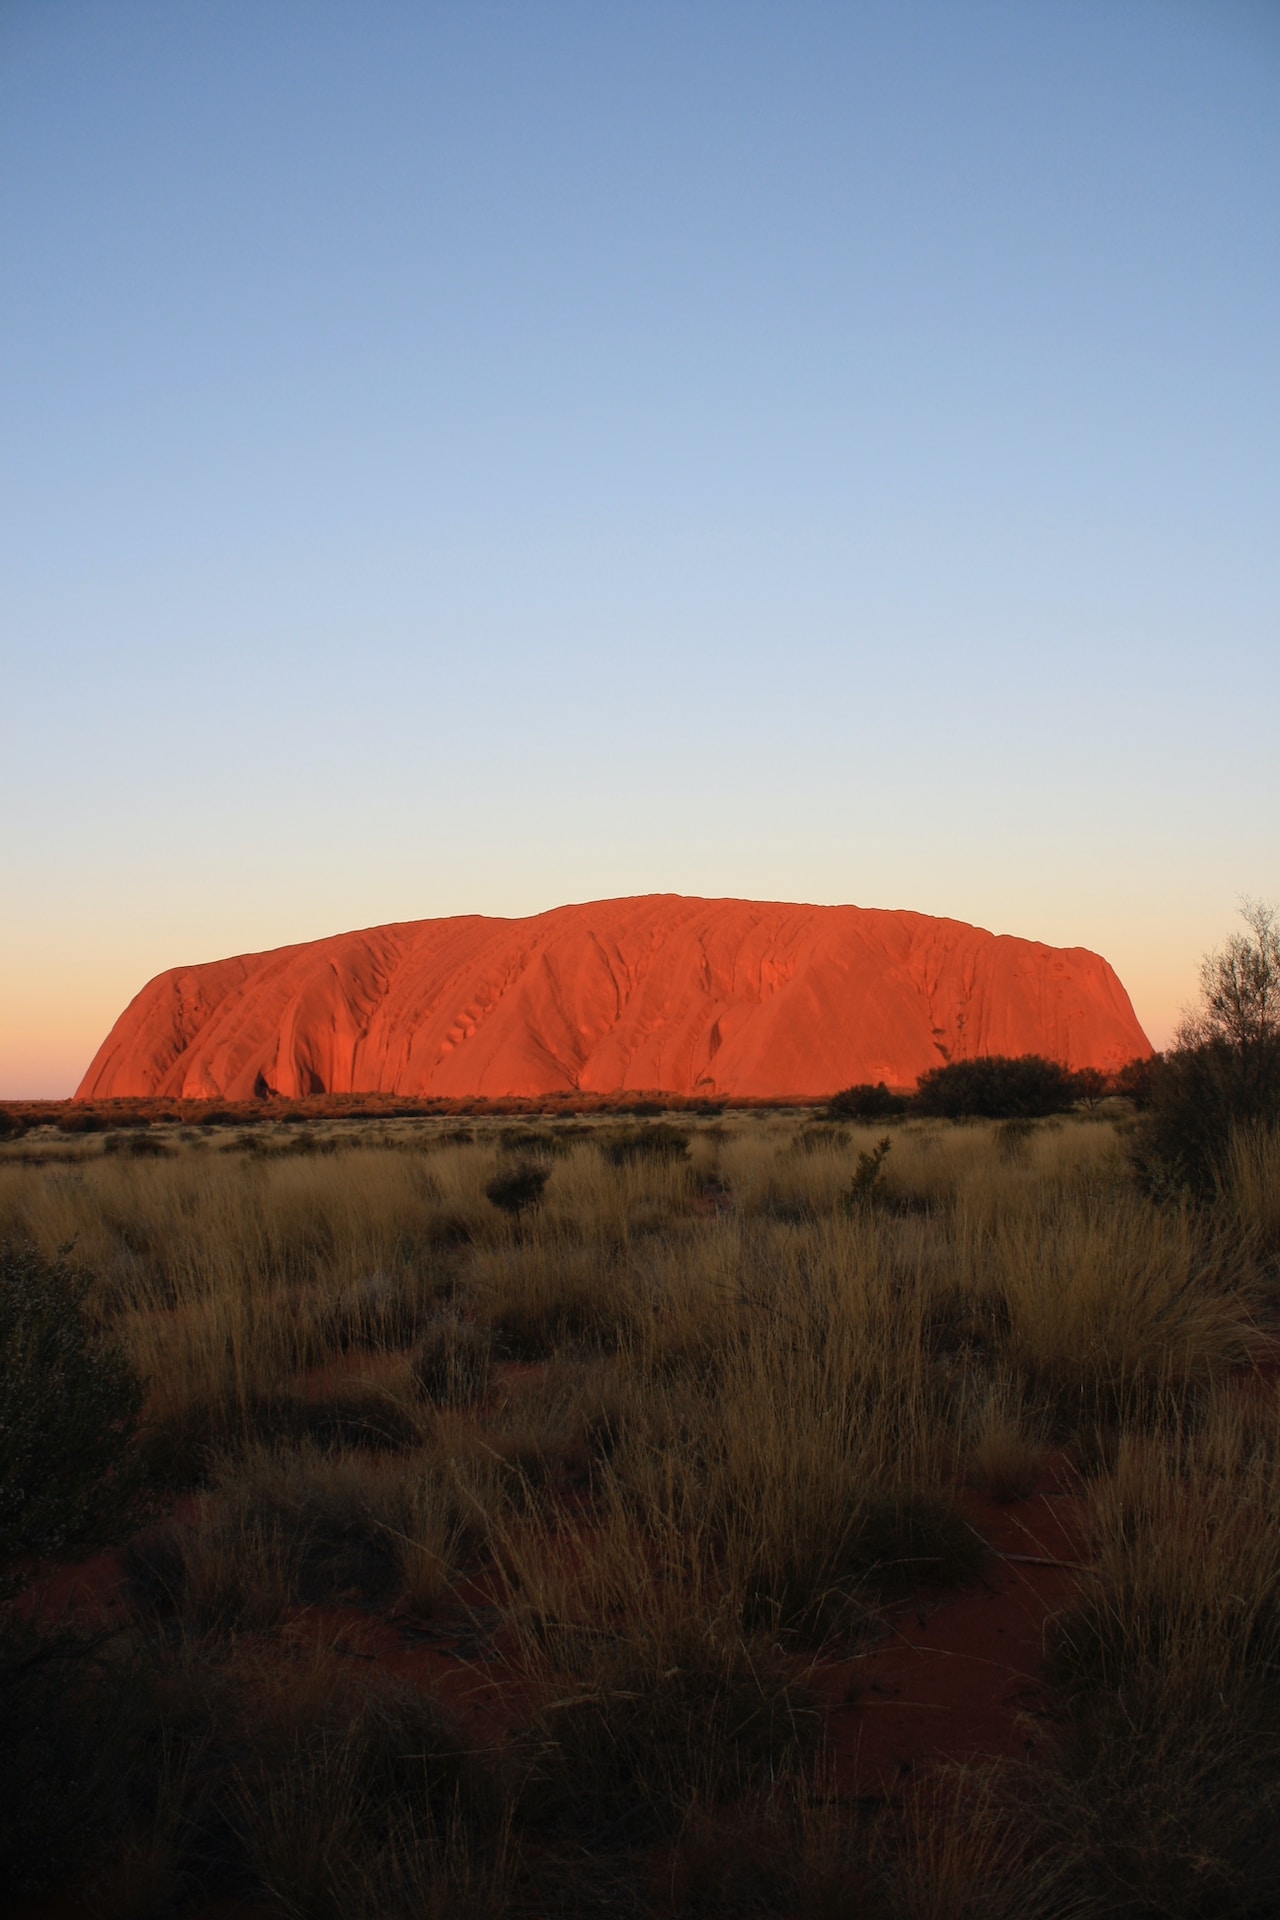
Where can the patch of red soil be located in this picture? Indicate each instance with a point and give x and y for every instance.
(955, 1676)
(959, 1674)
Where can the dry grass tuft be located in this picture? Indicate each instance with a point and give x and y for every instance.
(452, 1361)
(365, 1800)
(643, 1722)
(284, 1529)
(1009, 1449)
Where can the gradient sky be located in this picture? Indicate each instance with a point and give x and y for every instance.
(471, 457)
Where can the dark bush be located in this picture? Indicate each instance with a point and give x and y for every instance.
(180, 1450)
(80, 1756)
(368, 1805)
(661, 1141)
(80, 1122)
(993, 1087)
(1136, 1078)
(1198, 1097)
(138, 1146)
(517, 1189)
(865, 1102)
(69, 1406)
(918, 1540)
(874, 1552)
(531, 1140)
(11, 1124)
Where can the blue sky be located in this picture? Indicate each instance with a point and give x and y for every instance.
(466, 458)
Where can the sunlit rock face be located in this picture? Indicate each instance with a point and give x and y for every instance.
(657, 993)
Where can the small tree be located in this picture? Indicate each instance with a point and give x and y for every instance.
(518, 1188)
(1091, 1086)
(1223, 1072)
(1240, 995)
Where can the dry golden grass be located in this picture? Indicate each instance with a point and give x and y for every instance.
(353, 1799)
(1008, 1451)
(693, 1419)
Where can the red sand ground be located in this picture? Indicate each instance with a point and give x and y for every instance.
(727, 998)
(955, 1676)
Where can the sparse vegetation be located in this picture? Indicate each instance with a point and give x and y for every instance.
(523, 1558)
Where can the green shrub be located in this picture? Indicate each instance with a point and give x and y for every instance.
(868, 1187)
(69, 1405)
(994, 1087)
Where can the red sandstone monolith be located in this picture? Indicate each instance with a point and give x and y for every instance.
(656, 993)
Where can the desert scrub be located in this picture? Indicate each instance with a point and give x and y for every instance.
(808, 1460)
(453, 1361)
(69, 1405)
(92, 1761)
(1008, 1441)
(693, 1414)
(1168, 1674)
(561, 1425)
(966, 1848)
(1114, 1313)
(283, 1529)
(1249, 1194)
(353, 1796)
(184, 1433)
(549, 1293)
(644, 1723)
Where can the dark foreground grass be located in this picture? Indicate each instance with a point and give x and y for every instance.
(642, 1452)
